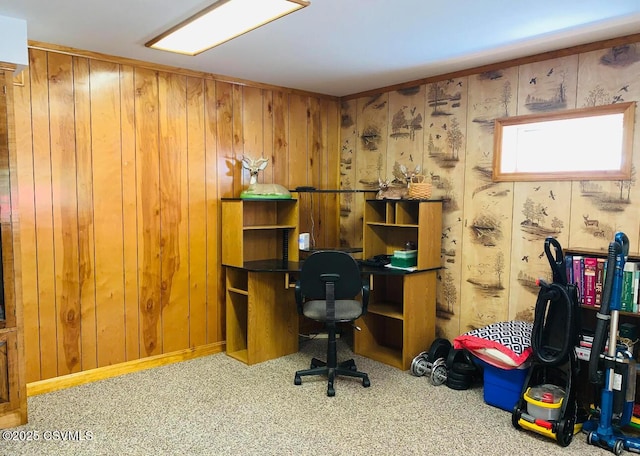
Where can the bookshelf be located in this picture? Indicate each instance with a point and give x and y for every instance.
(586, 253)
(589, 320)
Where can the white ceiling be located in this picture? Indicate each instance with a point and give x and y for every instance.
(338, 47)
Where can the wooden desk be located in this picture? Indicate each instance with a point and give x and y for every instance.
(261, 257)
(262, 317)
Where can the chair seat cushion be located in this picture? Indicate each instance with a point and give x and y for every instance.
(346, 310)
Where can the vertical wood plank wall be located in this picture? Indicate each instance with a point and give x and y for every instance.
(120, 171)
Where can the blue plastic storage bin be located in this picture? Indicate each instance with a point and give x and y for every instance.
(502, 387)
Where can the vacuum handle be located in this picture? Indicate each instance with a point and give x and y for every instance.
(610, 299)
(556, 261)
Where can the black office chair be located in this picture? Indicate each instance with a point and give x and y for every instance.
(329, 283)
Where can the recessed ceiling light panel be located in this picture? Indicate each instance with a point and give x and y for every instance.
(221, 22)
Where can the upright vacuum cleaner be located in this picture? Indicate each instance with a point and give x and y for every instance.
(548, 404)
(614, 371)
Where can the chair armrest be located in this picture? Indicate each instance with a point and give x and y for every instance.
(365, 295)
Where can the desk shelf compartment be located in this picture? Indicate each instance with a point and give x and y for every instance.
(237, 281)
(259, 230)
(380, 338)
(386, 296)
(262, 320)
(385, 239)
(390, 224)
(8, 362)
(237, 314)
(392, 212)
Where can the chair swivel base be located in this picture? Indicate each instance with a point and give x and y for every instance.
(346, 368)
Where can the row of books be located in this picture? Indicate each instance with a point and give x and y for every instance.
(588, 273)
(583, 349)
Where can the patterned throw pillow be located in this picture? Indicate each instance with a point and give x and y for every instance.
(506, 344)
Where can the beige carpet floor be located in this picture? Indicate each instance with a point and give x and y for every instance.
(218, 406)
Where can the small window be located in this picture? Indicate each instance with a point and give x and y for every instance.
(581, 144)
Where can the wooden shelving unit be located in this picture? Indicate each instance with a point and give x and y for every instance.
(258, 230)
(13, 397)
(633, 256)
(400, 321)
(261, 315)
(588, 319)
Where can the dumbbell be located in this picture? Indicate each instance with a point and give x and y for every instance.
(423, 364)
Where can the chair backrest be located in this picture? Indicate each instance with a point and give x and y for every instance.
(349, 283)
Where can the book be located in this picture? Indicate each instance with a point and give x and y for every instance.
(578, 277)
(583, 353)
(589, 281)
(568, 263)
(636, 288)
(584, 343)
(600, 267)
(628, 273)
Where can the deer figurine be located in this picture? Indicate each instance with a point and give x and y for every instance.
(388, 191)
(403, 174)
(257, 190)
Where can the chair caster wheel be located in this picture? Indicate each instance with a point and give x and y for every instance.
(297, 380)
(331, 392)
(365, 382)
(312, 366)
(353, 367)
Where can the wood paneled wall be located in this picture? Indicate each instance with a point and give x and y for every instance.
(121, 168)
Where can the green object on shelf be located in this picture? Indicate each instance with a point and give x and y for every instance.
(405, 254)
(403, 262)
(404, 258)
(247, 195)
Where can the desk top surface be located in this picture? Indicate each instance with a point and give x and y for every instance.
(277, 265)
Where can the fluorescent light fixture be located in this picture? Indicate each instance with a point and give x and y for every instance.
(221, 22)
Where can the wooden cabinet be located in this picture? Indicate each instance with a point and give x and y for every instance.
(400, 321)
(13, 397)
(259, 248)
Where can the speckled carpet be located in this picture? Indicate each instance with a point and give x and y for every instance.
(218, 406)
